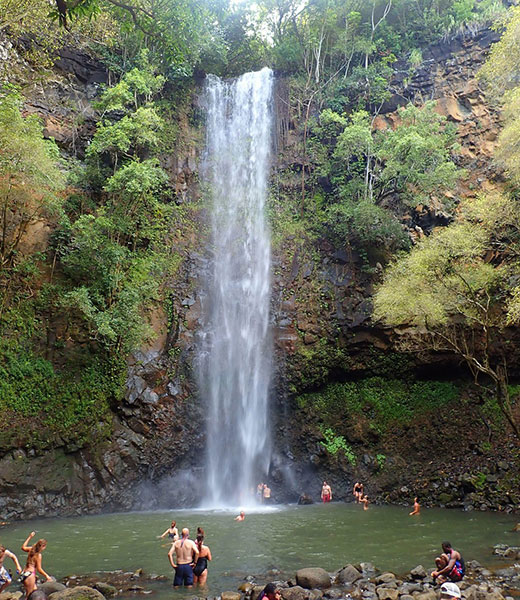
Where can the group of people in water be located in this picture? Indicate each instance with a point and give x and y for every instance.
(33, 565)
(189, 559)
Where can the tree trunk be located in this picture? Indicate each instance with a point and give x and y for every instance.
(504, 400)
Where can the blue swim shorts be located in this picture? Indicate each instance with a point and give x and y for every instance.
(183, 575)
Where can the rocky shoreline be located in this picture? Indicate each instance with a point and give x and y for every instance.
(352, 582)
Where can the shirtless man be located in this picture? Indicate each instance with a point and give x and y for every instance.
(267, 494)
(450, 565)
(187, 553)
(326, 492)
(241, 516)
(5, 577)
(416, 508)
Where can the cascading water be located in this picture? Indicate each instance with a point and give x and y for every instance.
(236, 357)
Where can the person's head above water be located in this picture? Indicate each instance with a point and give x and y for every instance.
(173, 524)
(450, 590)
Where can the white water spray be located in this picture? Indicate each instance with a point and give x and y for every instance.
(236, 358)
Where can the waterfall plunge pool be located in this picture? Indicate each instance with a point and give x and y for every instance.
(282, 537)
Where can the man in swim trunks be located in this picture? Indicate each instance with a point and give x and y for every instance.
(5, 577)
(450, 565)
(326, 492)
(267, 494)
(187, 553)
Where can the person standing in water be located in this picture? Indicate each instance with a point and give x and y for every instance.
(5, 577)
(416, 507)
(187, 554)
(172, 532)
(200, 570)
(326, 492)
(364, 501)
(33, 565)
(357, 491)
(267, 494)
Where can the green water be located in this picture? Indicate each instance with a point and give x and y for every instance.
(284, 538)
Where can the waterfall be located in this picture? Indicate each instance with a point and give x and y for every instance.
(235, 367)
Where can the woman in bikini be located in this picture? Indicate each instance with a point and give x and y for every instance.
(34, 564)
(200, 570)
(172, 532)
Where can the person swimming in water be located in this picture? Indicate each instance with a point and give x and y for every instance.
(172, 532)
(200, 570)
(34, 564)
(416, 507)
(241, 516)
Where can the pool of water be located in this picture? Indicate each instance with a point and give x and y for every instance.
(284, 538)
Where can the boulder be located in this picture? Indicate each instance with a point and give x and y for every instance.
(255, 592)
(315, 594)
(80, 592)
(231, 595)
(384, 593)
(313, 577)
(105, 588)
(368, 569)
(11, 595)
(428, 595)
(385, 578)
(348, 574)
(246, 588)
(49, 587)
(406, 597)
(333, 593)
(419, 572)
(295, 593)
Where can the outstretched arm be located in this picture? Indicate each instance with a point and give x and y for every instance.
(165, 533)
(14, 559)
(39, 568)
(25, 545)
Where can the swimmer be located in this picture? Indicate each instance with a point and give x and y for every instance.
(172, 532)
(357, 491)
(326, 492)
(416, 507)
(200, 570)
(34, 563)
(241, 516)
(187, 555)
(5, 577)
(364, 501)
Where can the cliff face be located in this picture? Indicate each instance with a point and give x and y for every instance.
(322, 330)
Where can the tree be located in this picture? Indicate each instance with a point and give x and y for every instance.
(457, 292)
(31, 181)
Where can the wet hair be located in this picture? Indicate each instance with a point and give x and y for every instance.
(270, 588)
(2, 551)
(446, 544)
(36, 548)
(200, 540)
(200, 531)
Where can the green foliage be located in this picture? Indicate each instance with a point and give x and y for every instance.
(380, 460)
(30, 175)
(334, 443)
(40, 406)
(383, 401)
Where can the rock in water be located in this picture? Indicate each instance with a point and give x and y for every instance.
(49, 587)
(80, 592)
(105, 588)
(230, 596)
(313, 577)
(418, 573)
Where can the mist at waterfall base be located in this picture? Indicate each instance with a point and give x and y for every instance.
(234, 363)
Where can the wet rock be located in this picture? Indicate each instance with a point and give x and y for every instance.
(368, 569)
(246, 588)
(348, 574)
(315, 594)
(105, 588)
(418, 573)
(313, 577)
(295, 593)
(386, 593)
(385, 578)
(230, 596)
(81, 592)
(11, 595)
(333, 593)
(49, 587)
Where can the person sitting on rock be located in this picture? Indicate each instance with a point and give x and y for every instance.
(449, 591)
(5, 576)
(450, 565)
(270, 592)
(416, 507)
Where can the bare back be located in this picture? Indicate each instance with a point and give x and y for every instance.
(184, 550)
